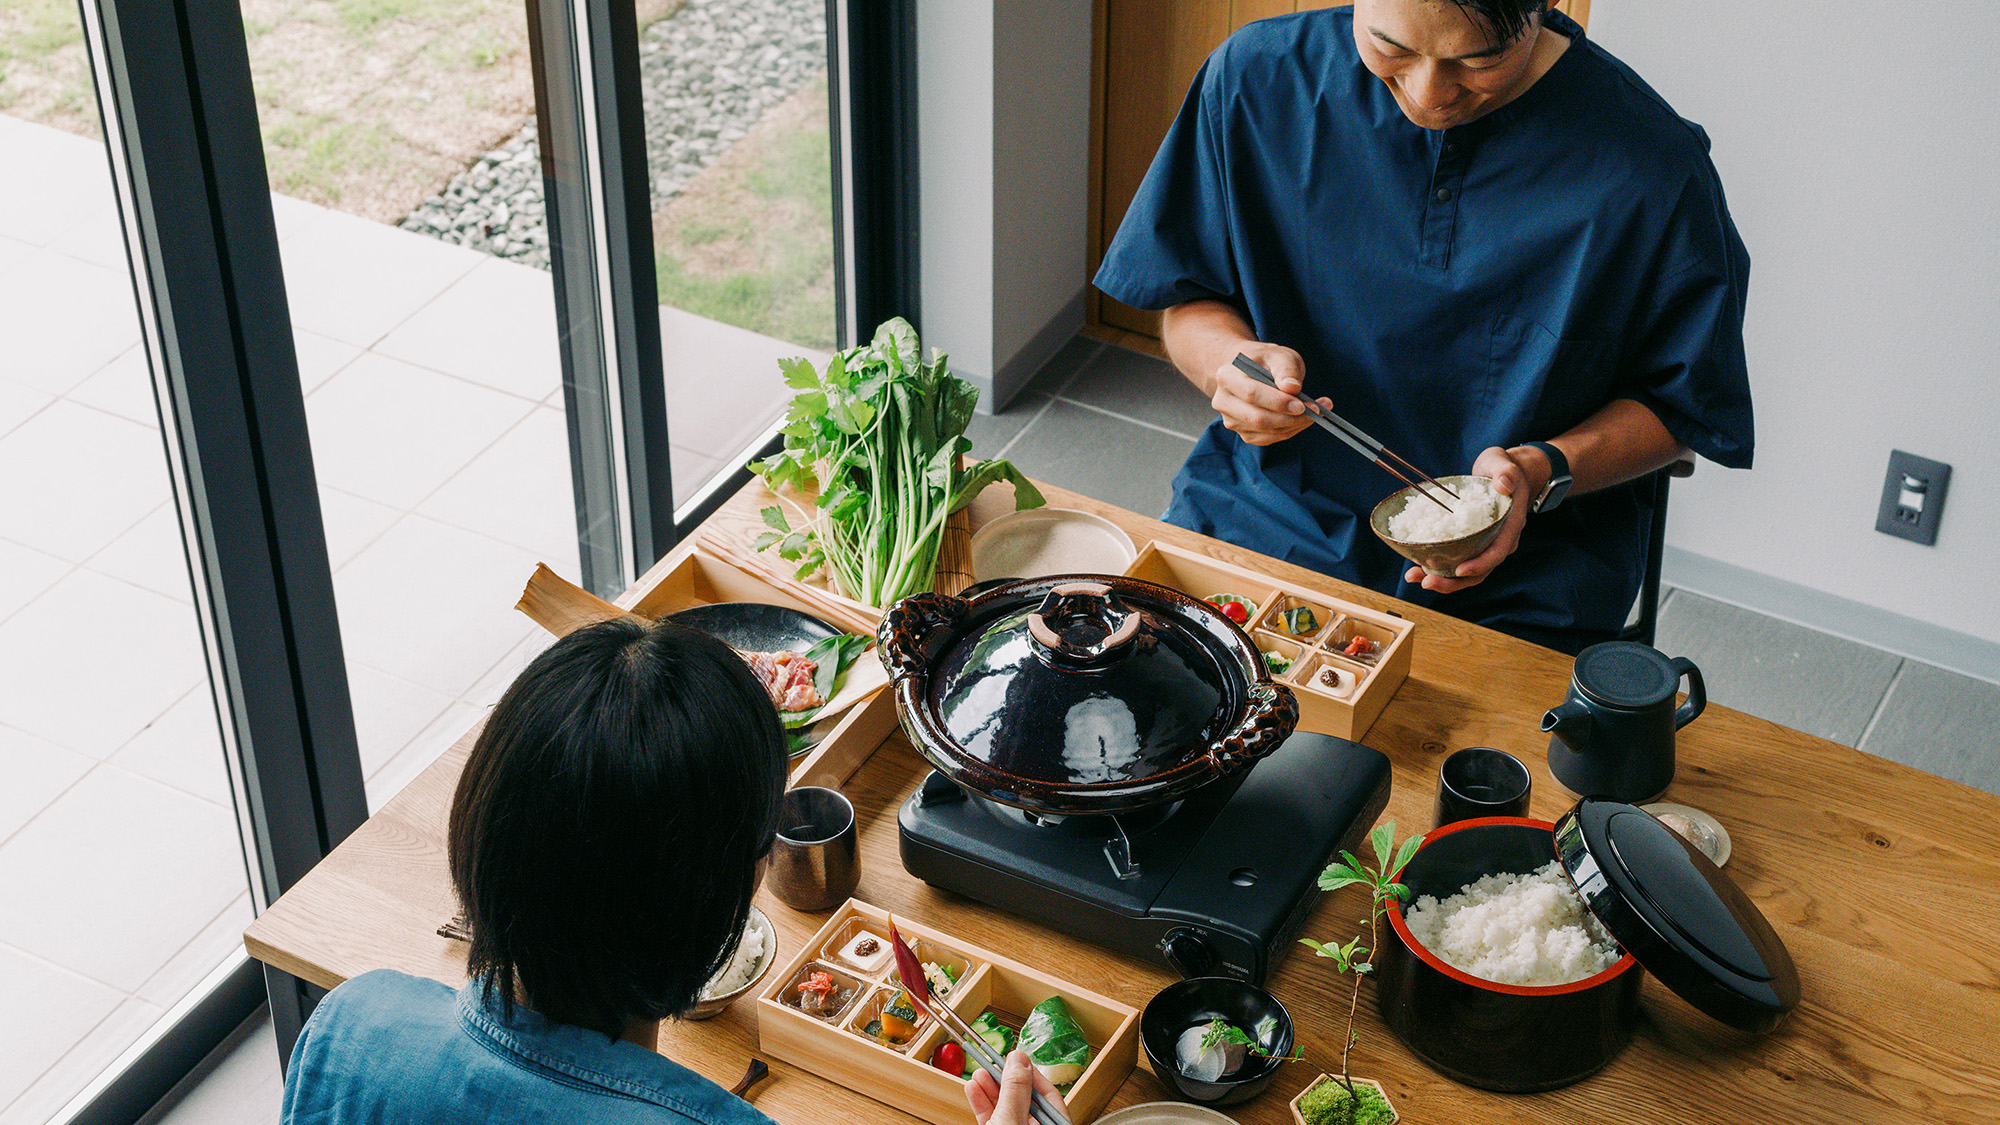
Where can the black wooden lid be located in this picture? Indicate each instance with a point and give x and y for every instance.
(1687, 923)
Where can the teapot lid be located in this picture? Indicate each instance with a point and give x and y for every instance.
(1626, 675)
(1688, 923)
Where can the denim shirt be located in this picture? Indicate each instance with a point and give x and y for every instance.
(387, 1047)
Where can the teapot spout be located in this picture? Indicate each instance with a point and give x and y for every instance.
(1571, 723)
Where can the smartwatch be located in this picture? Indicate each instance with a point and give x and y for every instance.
(1559, 478)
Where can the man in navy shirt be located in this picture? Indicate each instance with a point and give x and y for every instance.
(1477, 236)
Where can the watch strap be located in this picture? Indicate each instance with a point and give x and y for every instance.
(1559, 476)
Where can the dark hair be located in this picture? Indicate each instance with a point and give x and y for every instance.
(1504, 20)
(607, 828)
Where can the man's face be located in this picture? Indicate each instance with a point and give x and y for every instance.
(1439, 61)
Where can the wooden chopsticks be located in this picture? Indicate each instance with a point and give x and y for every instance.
(1355, 437)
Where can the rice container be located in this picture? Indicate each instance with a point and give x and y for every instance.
(1670, 909)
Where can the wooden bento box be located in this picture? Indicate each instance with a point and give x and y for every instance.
(838, 1050)
(1365, 682)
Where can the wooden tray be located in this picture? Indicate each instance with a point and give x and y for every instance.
(1344, 713)
(837, 1050)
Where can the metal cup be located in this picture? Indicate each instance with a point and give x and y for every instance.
(816, 861)
(1481, 781)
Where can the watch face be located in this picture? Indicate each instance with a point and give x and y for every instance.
(1553, 494)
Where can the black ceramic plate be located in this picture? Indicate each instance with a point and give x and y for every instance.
(756, 627)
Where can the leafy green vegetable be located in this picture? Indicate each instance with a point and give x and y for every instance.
(879, 434)
(1222, 1031)
(1054, 1042)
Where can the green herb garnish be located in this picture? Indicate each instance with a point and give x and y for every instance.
(879, 435)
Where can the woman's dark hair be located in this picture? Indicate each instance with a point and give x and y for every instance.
(607, 828)
(1505, 20)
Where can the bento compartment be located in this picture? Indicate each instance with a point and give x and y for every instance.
(850, 946)
(846, 988)
(1200, 577)
(1296, 618)
(950, 962)
(887, 1016)
(1357, 640)
(1009, 998)
(1329, 675)
(1288, 651)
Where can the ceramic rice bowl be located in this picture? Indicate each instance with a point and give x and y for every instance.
(1440, 558)
(714, 1005)
(1509, 1038)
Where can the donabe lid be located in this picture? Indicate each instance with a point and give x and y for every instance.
(1686, 922)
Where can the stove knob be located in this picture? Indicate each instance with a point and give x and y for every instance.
(1189, 952)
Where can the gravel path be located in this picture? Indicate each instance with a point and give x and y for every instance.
(709, 71)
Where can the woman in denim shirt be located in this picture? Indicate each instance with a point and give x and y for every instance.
(606, 838)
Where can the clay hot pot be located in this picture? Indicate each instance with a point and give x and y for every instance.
(1081, 694)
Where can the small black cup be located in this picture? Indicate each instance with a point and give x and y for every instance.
(1481, 781)
(816, 862)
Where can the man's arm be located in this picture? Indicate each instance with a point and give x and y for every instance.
(1203, 339)
(1622, 441)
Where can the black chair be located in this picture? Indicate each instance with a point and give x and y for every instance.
(1646, 617)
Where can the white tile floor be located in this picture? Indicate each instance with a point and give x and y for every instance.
(433, 394)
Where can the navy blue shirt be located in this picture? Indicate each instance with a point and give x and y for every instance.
(1489, 284)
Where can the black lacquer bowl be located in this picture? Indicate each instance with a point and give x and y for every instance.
(1511, 1038)
(1193, 1002)
(1081, 694)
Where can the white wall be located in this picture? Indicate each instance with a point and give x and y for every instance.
(1003, 136)
(1860, 148)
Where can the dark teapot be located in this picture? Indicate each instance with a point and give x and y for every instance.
(1614, 734)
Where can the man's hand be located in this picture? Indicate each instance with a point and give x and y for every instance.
(1259, 414)
(1203, 339)
(1006, 1102)
(1510, 478)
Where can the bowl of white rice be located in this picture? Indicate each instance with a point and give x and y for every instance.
(753, 957)
(1493, 971)
(1438, 534)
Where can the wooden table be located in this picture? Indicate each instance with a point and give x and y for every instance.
(1883, 881)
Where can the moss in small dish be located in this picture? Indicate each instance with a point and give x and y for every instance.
(1328, 1103)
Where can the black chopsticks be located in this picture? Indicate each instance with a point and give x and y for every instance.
(1353, 435)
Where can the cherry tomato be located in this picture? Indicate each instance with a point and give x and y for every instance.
(950, 1058)
(1235, 611)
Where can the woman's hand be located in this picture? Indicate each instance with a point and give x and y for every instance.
(1509, 479)
(1006, 1102)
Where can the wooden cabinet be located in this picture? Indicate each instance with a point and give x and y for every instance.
(1146, 54)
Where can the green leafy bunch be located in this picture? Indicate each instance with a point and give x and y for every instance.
(1379, 878)
(878, 435)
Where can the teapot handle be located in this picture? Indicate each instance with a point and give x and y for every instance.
(1697, 693)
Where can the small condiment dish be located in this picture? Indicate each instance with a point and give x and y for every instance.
(1441, 558)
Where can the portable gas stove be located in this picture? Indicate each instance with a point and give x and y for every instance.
(1217, 884)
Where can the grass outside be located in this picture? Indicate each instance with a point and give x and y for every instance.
(750, 241)
(367, 106)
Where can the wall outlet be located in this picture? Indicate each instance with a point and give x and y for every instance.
(1912, 497)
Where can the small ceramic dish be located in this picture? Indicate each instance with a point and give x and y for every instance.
(713, 1005)
(1043, 541)
(1707, 835)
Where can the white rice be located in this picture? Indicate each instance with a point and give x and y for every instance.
(1421, 521)
(741, 968)
(1515, 929)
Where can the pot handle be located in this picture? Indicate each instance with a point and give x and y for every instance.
(1274, 711)
(1697, 693)
(907, 624)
